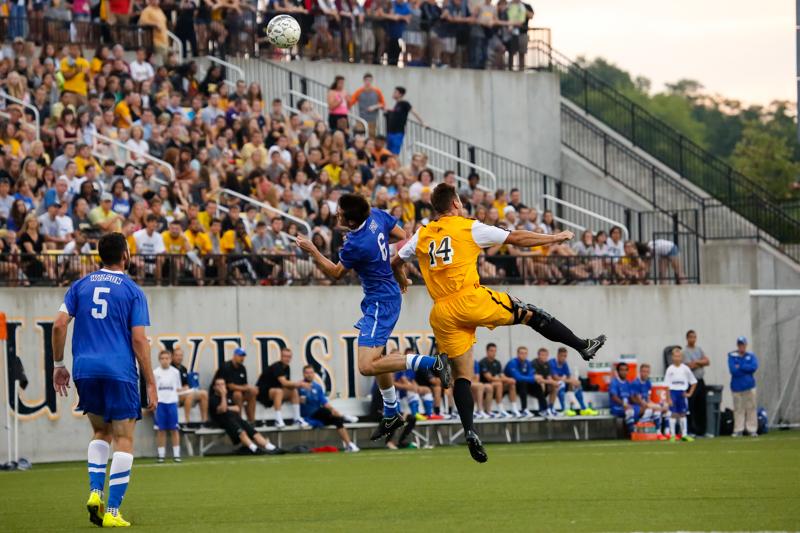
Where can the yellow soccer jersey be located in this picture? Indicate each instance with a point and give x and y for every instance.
(447, 250)
(177, 245)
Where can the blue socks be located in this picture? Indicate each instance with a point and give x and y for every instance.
(413, 405)
(118, 479)
(562, 392)
(419, 362)
(579, 397)
(97, 463)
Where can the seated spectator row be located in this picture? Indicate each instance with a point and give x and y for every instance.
(453, 33)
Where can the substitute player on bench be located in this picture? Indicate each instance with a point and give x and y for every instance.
(447, 250)
(108, 339)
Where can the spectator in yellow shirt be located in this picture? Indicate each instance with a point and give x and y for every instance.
(208, 214)
(500, 203)
(75, 70)
(198, 239)
(334, 168)
(237, 244)
(152, 15)
(122, 112)
(85, 159)
(103, 217)
(175, 241)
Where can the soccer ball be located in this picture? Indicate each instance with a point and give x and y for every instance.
(283, 31)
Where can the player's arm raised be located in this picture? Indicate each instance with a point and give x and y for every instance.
(141, 347)
(331, 269)
(59, 339)
(530, 239)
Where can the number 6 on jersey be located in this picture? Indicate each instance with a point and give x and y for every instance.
(444, 250)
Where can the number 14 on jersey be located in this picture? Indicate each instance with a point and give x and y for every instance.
(443, 251)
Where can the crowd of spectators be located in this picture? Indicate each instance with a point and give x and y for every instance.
(455, 33)
(103, 120)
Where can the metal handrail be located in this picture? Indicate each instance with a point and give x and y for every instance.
(143, 155)
(588, 213)
(325, 105)
(568, 223)
(27, 106)
(267, 207)
(176, 40)
(227, 65)
(460, 160)
(100, 155)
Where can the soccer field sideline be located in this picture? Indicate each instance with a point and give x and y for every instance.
(711, 484)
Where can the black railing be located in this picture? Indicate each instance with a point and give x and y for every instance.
(522, 268)
(86, 33)
(657, 138)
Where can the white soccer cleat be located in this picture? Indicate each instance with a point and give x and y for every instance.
(301, 422)
(526, 414)
(352, 448)
(350, 419)
(279, 423)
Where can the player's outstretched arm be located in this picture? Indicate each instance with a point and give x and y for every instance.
(141, 347)
(59, 339)
(335, 271)
(530, 239)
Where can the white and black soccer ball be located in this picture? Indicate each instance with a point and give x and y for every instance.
(283, 31)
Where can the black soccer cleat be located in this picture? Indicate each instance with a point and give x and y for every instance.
(476, 449)
(387, 426)
(441, 369)
(593, 346)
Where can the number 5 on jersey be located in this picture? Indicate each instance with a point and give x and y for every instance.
(101, 310)
(443, 251)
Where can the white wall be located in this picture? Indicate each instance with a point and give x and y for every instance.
(514, 115)
(315, 322)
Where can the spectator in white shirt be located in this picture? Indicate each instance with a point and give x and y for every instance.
(616, 245)
(6, 199)
(667, 254)
(76, 267)
(141, 70)
(149, 242)
(425, 180)
(55, 231)
(137, 144)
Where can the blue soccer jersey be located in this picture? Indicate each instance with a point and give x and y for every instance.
(366, 251)
(622, 390)
(105, 306)
(641, 388)
(314, 399)
(559, 370)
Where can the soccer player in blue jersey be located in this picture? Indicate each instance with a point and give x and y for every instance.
(366, 250)
(568, 383)
(640, 389)
(620, 396)
(108, 340)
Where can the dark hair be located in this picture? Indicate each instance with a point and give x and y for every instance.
(475, 175)
(150, 218)
(261, 224)
(491, 345)
(690, 332)
(561, 349)
(355, 209)
(513, 190)
(335, 81)
(442, 198)
(111, 248)
(401, 90)
(308, 366)
(367, 75)
(620, 365)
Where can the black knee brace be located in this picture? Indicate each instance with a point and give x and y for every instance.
(539, 317)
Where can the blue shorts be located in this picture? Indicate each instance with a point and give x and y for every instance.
(166, 416)
(618, 411)
(679, 404)
(394, 142)
(378, 321)
(110, 398)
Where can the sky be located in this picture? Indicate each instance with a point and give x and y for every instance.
(738, 48)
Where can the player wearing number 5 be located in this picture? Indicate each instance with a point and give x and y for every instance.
(448, 250)
(366, 250)
(108, 340)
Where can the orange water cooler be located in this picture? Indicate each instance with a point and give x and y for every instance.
(659, 391)
(599, 375)
(633, 365)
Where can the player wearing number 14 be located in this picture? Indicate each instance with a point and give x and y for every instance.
(108, 340)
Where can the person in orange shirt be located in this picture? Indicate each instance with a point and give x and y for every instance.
(447, 250)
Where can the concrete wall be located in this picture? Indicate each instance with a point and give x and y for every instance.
(514, 115)
(317, 324)
(578, 172)
(776, 321)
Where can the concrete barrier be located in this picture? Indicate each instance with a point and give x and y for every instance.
(317, 323)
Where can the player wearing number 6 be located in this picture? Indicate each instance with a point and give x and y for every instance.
(108, 339)
(366, 250)
(447, 250)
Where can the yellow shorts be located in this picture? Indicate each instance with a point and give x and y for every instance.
(454, 319)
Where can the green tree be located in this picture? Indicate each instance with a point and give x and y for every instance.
(766, 158)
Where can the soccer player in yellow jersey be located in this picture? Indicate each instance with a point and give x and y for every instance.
(447, 250)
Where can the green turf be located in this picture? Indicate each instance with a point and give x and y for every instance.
(719, 484)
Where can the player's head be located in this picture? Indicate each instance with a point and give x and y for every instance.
(491, 350)
(177, 355)
(219, 386)
(622, 371)
(113, 250)
(308, 373)
(561, 355)
(542, 354)
(644, 372)
(691, 337)
(164, 358)
(677, 356)
(445, 200)
(522, 352)
(353, 210)
(286, 356)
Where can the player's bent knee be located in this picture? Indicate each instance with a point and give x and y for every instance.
(529, 314)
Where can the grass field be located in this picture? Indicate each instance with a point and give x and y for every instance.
(719, 484)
